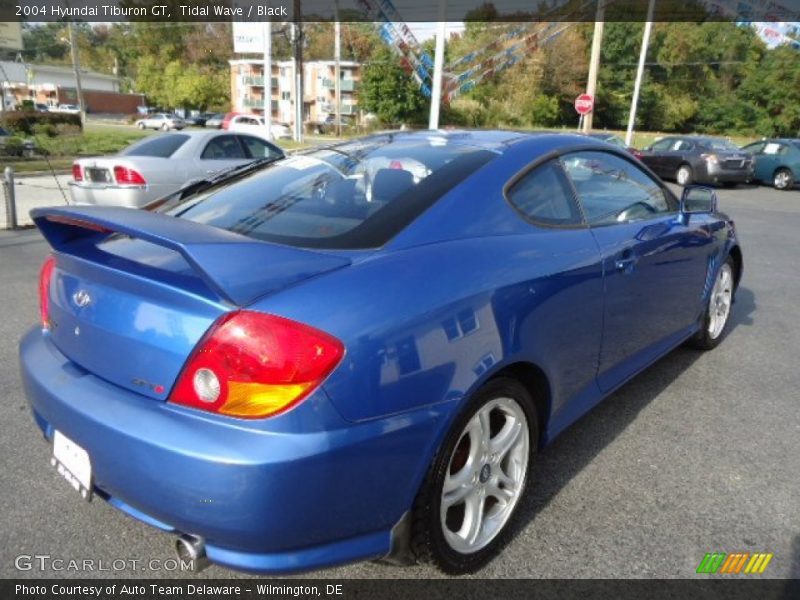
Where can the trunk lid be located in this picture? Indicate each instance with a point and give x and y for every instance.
(133, 292)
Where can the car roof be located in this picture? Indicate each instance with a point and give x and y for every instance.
(496, 140)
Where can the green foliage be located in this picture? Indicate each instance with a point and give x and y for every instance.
(12, 146)
(26, 123)
(389, 92)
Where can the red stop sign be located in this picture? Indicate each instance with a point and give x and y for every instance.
(584, 104)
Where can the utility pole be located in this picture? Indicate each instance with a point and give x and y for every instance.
(337, 70)
(297, 30)
(76, 66)
(438, 67)
(640, 73)
(268, 78)
(594, 63)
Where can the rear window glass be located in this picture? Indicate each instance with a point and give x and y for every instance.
(162, 146)
(721, 145)
(354, 195)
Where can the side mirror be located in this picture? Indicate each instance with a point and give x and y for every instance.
(698, 200)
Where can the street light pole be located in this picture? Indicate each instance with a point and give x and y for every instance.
(438, 67)
(76, 66)
(639, 73)
(268, 78)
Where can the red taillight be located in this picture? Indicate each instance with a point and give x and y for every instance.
(395, 164)
(77, 172)
(45, 275)
(254, 365)
(127, 176)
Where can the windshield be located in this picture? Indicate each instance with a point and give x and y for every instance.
(354, 195)
(161, 146)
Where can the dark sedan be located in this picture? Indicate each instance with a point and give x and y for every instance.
(694, 159)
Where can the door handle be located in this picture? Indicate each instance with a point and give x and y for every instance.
(626, 261)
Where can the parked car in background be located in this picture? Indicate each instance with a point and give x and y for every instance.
(199, 120)
(696, 159)
(41, 107)
(72, 109)
(328, 124)
(255, 124)
(215, 121)
(17, 146)
(777, 162)
(163, 121)
(226, 120)
(160, 164)
(288, 375)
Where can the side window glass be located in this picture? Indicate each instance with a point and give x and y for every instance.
(661, 145)
(258, 148)
(544, 196)
(613, 190)
(224, 147)
(754, 148)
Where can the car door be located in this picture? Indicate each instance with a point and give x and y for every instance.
(770, 159)
(654, 264)
(756, 150)
(675, 155)
(652, 155)
(221, 152)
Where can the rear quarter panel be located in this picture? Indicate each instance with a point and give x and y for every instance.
(427, 325)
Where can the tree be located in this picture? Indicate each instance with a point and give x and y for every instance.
(388, 91)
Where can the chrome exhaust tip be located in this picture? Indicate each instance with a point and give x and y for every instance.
(191, 551)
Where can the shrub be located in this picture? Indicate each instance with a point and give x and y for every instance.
(25, 122)
(12, 146)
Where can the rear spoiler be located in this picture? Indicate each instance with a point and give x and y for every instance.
(236, 268)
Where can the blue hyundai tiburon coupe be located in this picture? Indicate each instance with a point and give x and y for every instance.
(355, 352)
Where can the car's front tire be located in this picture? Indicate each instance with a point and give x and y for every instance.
(165, 127)
(473, 488)
(718, 309)
(141, 126)
(783, 179)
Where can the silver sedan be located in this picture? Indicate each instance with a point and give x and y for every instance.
(161, 164)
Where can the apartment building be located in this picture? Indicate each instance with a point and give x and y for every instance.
(319, 101)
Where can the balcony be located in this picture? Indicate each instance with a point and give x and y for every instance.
(258, 81)
(347, 109)
(258, 103)
(347, 85)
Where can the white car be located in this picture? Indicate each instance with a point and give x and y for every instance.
(255, 124)
(163, 121)
(161, 164)
(72, 109)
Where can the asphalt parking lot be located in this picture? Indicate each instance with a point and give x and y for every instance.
(699, 453)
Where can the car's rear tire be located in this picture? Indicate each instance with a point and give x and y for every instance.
(474, 486)
(783, 179)
(684, 175)
(716, 318)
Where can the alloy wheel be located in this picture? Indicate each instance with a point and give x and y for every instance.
(721, 299)
(485, 476)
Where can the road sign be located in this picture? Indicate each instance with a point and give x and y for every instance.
(584, 104)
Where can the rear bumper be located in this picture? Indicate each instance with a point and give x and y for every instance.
(719, 174)
(115, 195)
(268, 501)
